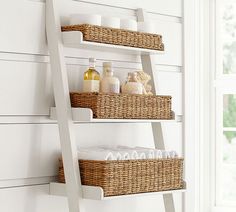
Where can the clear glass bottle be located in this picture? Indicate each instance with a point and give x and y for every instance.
(132, 86)
(109, 83)
(91, 78)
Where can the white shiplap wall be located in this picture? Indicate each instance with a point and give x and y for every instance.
(29, 142)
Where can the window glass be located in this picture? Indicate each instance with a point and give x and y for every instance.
(229, 113)
(228, 183)
(228, 29)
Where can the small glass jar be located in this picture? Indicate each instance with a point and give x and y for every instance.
(109, 83)
(132, 86)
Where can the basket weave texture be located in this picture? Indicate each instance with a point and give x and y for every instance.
(123, 106)
(114, 36)
(130, 176)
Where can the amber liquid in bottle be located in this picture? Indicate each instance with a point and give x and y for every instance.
(91, 78)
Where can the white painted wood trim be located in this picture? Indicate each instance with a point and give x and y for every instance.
(78, 114)
(89, 192)
(52, 120)
(148, 63)
(96, 193)
(191, 104)
(164, 8)
(62, 99)
(74, 39)
(85, 115)
(26, 182)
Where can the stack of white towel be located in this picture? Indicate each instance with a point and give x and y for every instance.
(123, 153)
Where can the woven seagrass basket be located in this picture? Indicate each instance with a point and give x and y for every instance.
(118, 36)
(130, 176)
(123, 106)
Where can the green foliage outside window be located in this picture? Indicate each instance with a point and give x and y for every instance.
(230, 116)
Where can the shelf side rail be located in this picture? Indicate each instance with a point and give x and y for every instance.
(148, 64)
(63, 108)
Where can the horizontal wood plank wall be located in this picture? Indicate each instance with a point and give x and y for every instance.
(167, 7)
(29, 35)
(30, 198)
(28, 85)
(29, 141)
(32, 150)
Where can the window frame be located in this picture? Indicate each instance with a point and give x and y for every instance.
(220, 84)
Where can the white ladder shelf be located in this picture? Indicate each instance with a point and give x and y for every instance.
(67, 116)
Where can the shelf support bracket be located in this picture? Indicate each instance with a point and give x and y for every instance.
(148, 64)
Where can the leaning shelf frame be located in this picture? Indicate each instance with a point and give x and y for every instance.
(64, 114)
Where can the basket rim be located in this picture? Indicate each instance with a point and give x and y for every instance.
(111, 28)
(133, 161)
(129, 161)
(118, 94)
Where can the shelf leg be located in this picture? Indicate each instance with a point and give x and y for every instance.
(64, 115)
(148, 63)
(149, 67)
(169, 202)
(160, 144)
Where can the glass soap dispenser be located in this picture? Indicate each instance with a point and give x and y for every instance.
(91, 78)
(109, 83)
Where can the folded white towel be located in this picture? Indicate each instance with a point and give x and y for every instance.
(109, 148)
(165, 154)
(142, 156)
(150, 153)
(125, 155)
(133, 154)
(158, 154)
(143, 148)
(173, 154)
(117, 155)
(124, 147)
(96, 155)
(139, 152)
(124, 150)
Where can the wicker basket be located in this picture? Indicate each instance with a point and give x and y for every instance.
(118, 36)
(131, 176)
(124, 106)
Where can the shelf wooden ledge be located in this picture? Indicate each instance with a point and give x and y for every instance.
(96, 193)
